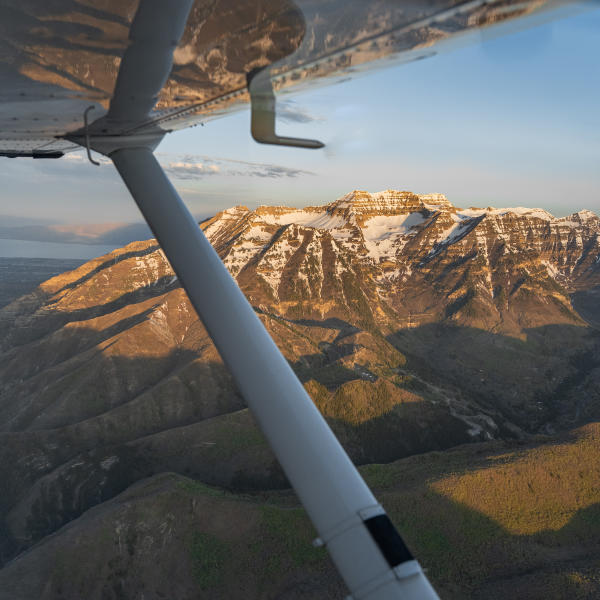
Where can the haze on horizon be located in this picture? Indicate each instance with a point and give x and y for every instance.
(509, 121)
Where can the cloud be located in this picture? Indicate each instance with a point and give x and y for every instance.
(80, 157)
(289, 111)
(75, 167)
(191, 167)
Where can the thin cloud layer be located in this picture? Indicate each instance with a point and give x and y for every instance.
(289, 111)
(190, 167)
(194, 167)
(79, 157)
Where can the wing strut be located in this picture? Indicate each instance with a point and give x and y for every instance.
(366, 549)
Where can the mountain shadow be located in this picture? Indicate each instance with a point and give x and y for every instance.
(586, 303)
(54, 320)
(545, 380)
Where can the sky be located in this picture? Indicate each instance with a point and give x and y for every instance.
(508, 120)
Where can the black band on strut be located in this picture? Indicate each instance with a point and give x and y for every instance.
(388, 539)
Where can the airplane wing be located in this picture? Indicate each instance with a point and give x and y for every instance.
(59, 58)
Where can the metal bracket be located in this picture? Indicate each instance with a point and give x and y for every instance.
(87, 135)
(262, 107)
(107, 144)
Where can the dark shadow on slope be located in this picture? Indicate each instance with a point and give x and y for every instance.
(406, 430)
(52, 321)
(532, 382)
(324, 368)
(585, 524)
(587, 304)
(468, 554)
(345, 329)
(85, 387)
(108, 402)
(71, 348)
(562, 563)
(226, 451)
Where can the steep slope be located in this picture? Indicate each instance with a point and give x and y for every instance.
(491, 293)
(396, 255)
(415, 326)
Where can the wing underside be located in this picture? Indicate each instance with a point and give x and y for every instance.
(62, 57)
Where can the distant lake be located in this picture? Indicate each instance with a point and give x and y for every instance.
(27, 249)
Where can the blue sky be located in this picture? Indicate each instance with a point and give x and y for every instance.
(504, 121)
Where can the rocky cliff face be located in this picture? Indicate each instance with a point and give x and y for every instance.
(396, 256)
(414, 325)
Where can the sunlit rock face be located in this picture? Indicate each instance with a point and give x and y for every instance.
(411, 254)
(414, 325)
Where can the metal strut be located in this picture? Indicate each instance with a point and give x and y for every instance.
(366, 549)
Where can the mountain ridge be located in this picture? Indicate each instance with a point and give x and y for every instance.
(415, 326)
(396, 239)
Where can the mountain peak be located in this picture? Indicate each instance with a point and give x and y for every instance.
(438, 200)
(389, 196)
(396, 236)
(359, 197)
(581, 217)
(359, 205)
(522, 211)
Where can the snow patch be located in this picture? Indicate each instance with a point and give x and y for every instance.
(552, 270)
(271, 265)
(382, 233)
(538, 213)
(318, 220)
(258, 233)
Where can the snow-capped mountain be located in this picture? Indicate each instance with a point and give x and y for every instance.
(416, 255)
